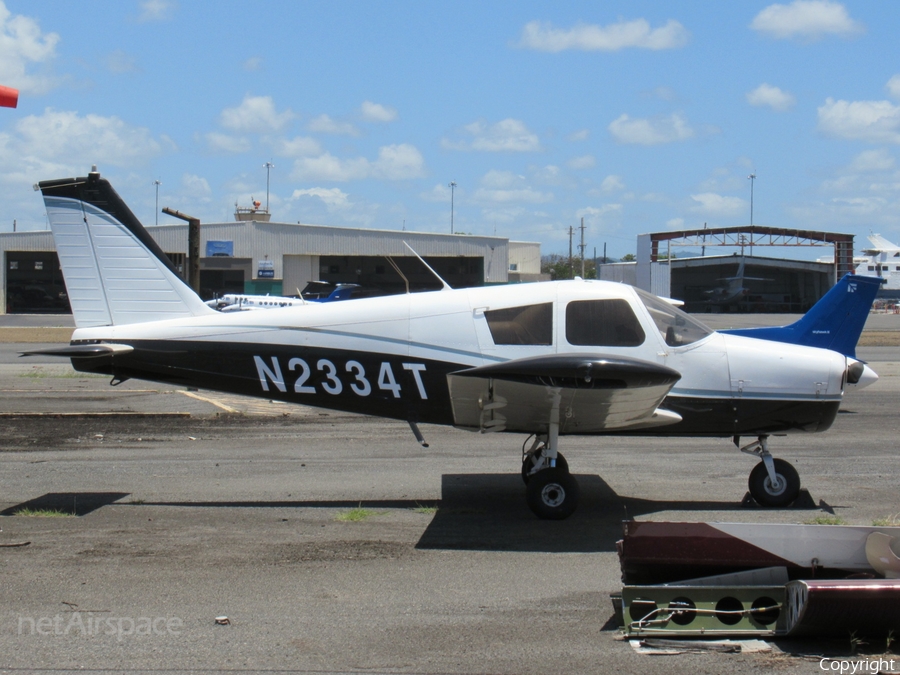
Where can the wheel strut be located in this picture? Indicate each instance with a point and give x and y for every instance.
(760, 449)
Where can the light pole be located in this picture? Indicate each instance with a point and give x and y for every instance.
(157, 183)
(452, 186)
(269, 166)
(751, 178)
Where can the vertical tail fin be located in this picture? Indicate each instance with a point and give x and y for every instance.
(115, 273)
(835, 322)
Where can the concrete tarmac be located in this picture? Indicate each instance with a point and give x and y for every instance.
(187, 506)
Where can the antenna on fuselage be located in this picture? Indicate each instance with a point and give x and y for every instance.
(445, 286)
(397, 270)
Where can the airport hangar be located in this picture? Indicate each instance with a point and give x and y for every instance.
(773, 285)
(254, 255)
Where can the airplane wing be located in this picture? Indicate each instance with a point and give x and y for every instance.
(594, 393)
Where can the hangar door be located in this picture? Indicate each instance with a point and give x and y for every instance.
(34, 283)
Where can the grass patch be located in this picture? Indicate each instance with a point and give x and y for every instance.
(355, 515)
(826, 520)
(43, 513)
(427, 510)
(887, 521)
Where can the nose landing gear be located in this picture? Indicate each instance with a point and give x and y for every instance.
(773, 482)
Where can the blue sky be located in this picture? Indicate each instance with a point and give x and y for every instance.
(636, 116)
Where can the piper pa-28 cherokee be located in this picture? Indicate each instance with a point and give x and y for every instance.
(547, 359)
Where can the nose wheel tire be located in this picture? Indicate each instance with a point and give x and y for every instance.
(780, 493)
(552, 494)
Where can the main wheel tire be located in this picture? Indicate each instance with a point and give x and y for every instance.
(561, 463)
(767, 494)
(552, 494)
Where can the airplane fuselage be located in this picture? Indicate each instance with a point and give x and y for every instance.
(395, 357)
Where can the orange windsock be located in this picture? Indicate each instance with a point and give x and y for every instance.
(9, 97)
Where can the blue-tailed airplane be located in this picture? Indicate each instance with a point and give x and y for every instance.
(547, 359)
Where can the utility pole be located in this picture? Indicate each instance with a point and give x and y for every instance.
(752, 179)
(452, 186)
(571, 263)
(269, 166)
(581, 246)
(157, 183)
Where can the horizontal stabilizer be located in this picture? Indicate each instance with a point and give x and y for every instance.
(835, 322)
(81, 351)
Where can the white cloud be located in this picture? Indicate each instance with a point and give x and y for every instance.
(507, 135)
(299, 146)
(612, 184)
(583, 162)
(501, 179)
(439, 193)
(394, 162)
(675, 224)
(593, 214)
(399, 162)
(767, 95)
(219, 142)
(873, 160)
(893, 86)
(21, 44)
(806, 19)
(662, 93)
(253, 64)
(156, 10)
(713, 204)
(59, 143)
(871, 121)
(581, 135)
(375, 112)
(196, 186)
(503, 187)
(653, 131)
(120, 62)
(542, 36)
(333, 198)
(255, 114)
(324, 124)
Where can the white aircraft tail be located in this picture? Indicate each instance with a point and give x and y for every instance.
(881, 245)
(115, 273)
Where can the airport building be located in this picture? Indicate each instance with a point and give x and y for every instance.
(744, 282)
(254, 255)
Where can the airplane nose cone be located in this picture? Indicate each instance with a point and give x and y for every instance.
(859, 375)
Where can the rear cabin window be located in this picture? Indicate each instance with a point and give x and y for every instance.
(602, 323)
(527, 325)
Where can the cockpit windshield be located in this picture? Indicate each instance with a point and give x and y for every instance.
(676, 327)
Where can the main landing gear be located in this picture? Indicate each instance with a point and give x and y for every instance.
(550, 490)
(773, 482)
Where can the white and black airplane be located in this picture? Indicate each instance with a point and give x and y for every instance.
(547, 359)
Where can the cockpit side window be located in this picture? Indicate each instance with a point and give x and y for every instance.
(526, 325)
(603, 323)
(676, 327)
